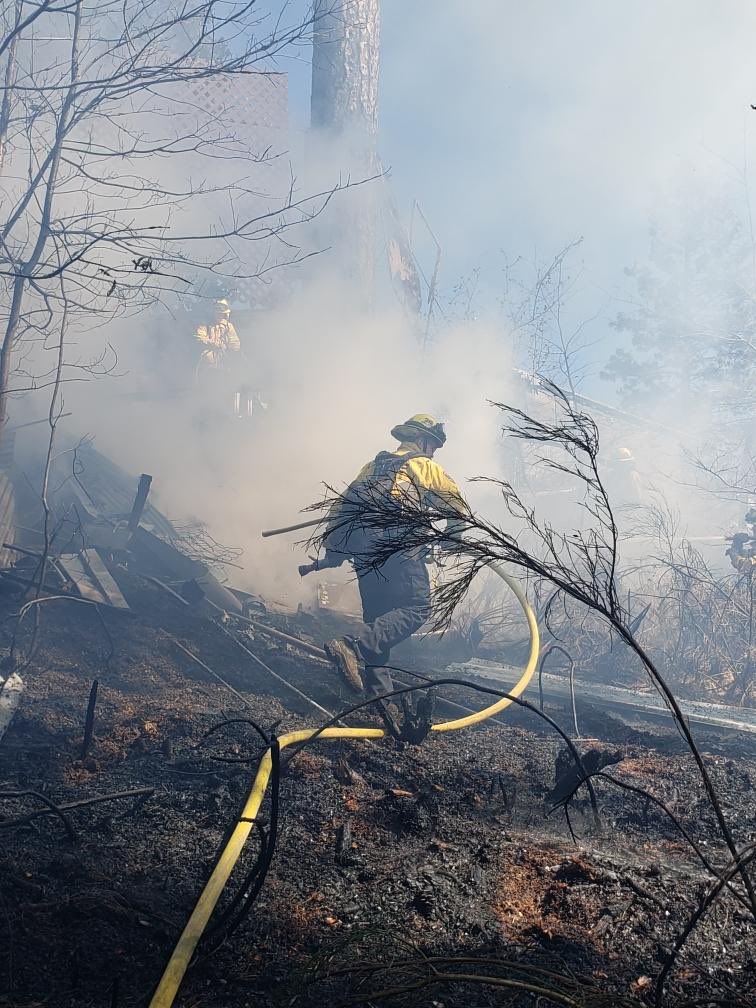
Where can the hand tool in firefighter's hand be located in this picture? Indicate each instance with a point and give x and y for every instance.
(292, 528)
(305, 569)
(330, 560)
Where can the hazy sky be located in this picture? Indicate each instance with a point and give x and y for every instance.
(527, 124)
(520, 126)
(530, 122)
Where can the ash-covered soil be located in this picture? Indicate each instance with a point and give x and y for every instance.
(386, 856)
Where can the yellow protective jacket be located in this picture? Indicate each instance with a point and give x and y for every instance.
(419, 479)
(422, 479)
(215, 341)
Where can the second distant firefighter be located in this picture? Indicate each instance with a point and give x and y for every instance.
(396, 596)
(742, 548)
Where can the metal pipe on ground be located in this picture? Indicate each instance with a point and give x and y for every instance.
(291, 528)
(291, 640)
(220, 678)
(275, 675)
(287, 638)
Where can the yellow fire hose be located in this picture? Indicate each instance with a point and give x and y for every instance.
(178, 963)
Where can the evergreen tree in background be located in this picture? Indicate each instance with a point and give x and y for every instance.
(692, 318)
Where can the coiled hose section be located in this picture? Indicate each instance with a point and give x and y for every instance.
(178, 963)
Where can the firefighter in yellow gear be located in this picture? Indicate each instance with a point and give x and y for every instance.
(396, 596)
(221, 365)
(218, 339)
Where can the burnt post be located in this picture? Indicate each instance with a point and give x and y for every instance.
(89, 720)
(137, 509)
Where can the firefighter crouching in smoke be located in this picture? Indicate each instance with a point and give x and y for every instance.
(396, 596)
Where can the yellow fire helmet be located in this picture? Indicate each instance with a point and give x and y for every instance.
(223, 307)
(624, 455)
(421, 425)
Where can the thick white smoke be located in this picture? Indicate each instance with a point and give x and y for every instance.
(336, 380)
(491, 174)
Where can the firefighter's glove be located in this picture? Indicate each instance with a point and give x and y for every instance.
(331, 559)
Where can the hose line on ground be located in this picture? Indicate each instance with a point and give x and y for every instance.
(180, 958)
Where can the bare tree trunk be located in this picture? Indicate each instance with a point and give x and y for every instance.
(53, 418)
(11, 69)
(11, 329)
(25, 270)
(344, 103)
(345, 59)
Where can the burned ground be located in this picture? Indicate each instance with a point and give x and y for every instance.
(385, 854)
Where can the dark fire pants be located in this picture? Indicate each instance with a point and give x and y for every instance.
(396, 601)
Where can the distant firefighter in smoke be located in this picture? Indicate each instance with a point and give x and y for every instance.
(396, 595)
(624, 482)
(220, 363)
(218, 340)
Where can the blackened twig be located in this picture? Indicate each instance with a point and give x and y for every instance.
(737, 866)
(51, 807)
(571, 660)
(68, 806)
(253, 883)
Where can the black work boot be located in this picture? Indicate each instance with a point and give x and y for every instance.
(388, 714)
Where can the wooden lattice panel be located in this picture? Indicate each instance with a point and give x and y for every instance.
(255, 104)
(247, 117)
